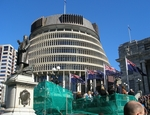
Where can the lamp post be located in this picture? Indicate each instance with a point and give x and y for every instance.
(56, 73)
(126, 85)
(139, 80)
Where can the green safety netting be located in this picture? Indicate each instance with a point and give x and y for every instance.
(108, 105)
(52, 99)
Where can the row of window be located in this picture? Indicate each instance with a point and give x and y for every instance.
(66, 58)
(4, 64)
(4, 60)
(63, 30)
(58, 50)
(2, 71)
(52, 43)
(2, 75)
(48, 67)
(5, 68)
(64, 35)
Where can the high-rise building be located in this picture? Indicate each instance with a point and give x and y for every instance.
(69, 41)
(137, 52)
(8, 58)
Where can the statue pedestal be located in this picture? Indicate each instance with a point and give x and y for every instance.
(19, 96)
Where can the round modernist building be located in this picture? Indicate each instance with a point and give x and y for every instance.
(69, 41)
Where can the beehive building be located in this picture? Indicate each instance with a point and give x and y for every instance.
(68, 41)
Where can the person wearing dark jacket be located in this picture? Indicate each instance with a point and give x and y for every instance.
(131, 92)
(118, 89)
(111, 90)
(103, 91)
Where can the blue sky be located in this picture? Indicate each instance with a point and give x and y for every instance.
(112, 17)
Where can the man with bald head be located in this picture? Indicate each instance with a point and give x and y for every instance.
(134, 108)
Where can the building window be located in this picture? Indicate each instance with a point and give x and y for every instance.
(11, 49)
(5, 48)
(3, 71)
(9, 65)
(4, 60)
(3, 67)
(3, 63)
(147, 46)
(4, 56)
(2, 74)
(5, 53)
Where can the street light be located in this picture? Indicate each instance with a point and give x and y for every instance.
(55, 72)
(139, 80)
(126, 85)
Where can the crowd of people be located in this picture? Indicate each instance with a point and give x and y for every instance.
(140, 107)
(101, 90)
(145, 101)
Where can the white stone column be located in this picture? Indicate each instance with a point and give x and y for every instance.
(63, 79)
(94, 85)
(91, 85)
(79, 84)
(47, 78)
(69, 81)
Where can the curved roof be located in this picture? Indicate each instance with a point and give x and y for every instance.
(57, 19)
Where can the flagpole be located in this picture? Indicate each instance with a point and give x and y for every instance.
(69, 80)
(64, 6)
(129, 30)
(104, 74)
(94, 81)
(127, 73)
(85, 80)
(105, 84)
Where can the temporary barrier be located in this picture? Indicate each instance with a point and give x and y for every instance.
(108, 105)
(52, 99)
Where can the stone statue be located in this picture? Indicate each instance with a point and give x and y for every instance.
(22, 57)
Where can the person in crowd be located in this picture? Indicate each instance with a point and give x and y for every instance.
(89, 95)
(124, 90)
(79, 95)
(118, 89)
(111, 90)
(95, 93)
(85, 95)
(134, 108)
(131, 92)
(103, 91)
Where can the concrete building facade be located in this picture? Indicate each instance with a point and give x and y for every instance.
(69, 41)
(8, 59)
(139, 53)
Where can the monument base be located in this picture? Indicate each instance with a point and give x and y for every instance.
(19, 100)
(19, 111)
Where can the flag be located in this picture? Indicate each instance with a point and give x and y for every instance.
(90, 74)
(132, 67)
(76, 79)
(141, 72)
(99, 74)
(94, 74)
(111, 71)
